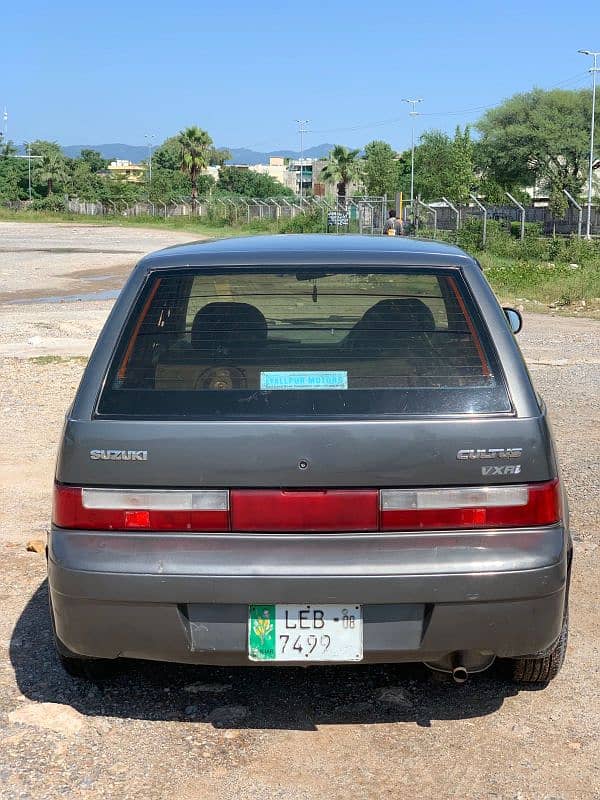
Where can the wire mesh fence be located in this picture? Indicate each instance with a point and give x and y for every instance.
(342, 214)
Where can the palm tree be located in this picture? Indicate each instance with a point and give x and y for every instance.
(341, 168)
(52, 168)
(195, 149)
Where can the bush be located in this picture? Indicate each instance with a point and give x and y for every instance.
(48, 204)
(307, 222)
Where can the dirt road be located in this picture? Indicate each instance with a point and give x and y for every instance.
(159, 731)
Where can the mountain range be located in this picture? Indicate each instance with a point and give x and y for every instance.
(240, 155)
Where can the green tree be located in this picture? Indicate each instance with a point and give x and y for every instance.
(342, 168)
(248, 183)
(381, 169)
(93, 159)
(7, 148)
(195, 147)
(84, 183)
(120, 191)
(444, 166)
(52, 169)
(168, 155)
(558, 206)
(538, 137)
(167, 185)
(218, 156)
(40, 147)
(13, 179)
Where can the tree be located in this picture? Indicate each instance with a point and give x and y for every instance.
(40, 147)
(52, 169)
(168, 155)
(84, 183)
(94, 160)
(558, 206)
(444, 166)
(342, 168)
(248, 183)
(381, 169)
(218, 156)
(13, 179)
(7, 148)
(538, 137)
(195, 146)
(167, 185)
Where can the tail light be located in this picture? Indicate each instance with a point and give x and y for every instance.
(151, 510)
(337, 510)
(475, 507)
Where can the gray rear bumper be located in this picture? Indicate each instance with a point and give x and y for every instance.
(178, 597)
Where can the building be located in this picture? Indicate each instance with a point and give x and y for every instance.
(126, 170)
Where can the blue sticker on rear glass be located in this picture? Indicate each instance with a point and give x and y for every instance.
(304, 380)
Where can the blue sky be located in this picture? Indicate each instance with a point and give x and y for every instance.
(83, 73)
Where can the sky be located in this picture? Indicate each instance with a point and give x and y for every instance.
(93, 73)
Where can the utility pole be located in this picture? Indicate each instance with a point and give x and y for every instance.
(302, 129)
(29, 166)
(595, 69)
(412, 114)
(5, 123)
(150, 141)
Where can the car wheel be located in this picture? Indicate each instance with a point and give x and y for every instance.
(541, 669)
(80, 667)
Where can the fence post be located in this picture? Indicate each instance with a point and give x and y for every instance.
(433, 211)
(455, 209)
(579, 212)
(484, 209)
(516, 202)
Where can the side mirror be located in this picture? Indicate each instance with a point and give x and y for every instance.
(515, 320)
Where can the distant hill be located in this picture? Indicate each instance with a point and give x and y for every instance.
(243, 156)
(136, 153)
(131, 152)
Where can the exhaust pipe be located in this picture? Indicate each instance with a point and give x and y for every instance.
(459, 674)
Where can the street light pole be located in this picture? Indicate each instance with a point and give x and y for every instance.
(594, 54)
(150, 140)
(29, 166)
(412, 114)
(302, 129)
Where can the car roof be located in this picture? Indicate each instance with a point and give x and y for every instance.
(295, 249)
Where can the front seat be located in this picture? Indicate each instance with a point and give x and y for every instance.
(390, 319)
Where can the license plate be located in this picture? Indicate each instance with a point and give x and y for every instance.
(305, 633)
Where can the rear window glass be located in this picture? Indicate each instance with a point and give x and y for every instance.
(303, 343)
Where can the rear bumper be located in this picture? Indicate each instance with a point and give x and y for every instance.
(184, 597)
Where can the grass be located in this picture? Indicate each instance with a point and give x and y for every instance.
(43, 360)
(533, 284)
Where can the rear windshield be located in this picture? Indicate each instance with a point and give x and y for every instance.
(300, 343)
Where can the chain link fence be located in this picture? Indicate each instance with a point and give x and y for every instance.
(445, 215)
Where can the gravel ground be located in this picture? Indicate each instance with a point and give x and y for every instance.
(362, 732)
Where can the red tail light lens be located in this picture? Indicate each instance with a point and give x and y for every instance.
(149, 510)
(476, 507)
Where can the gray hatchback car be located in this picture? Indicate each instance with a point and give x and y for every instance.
(308, 449)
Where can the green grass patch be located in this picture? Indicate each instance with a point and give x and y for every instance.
(547, 283)
(58, 359)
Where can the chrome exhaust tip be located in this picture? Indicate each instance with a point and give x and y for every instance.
(459, 674)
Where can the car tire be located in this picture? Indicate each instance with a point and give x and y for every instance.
(542, 668)
(77, 666)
